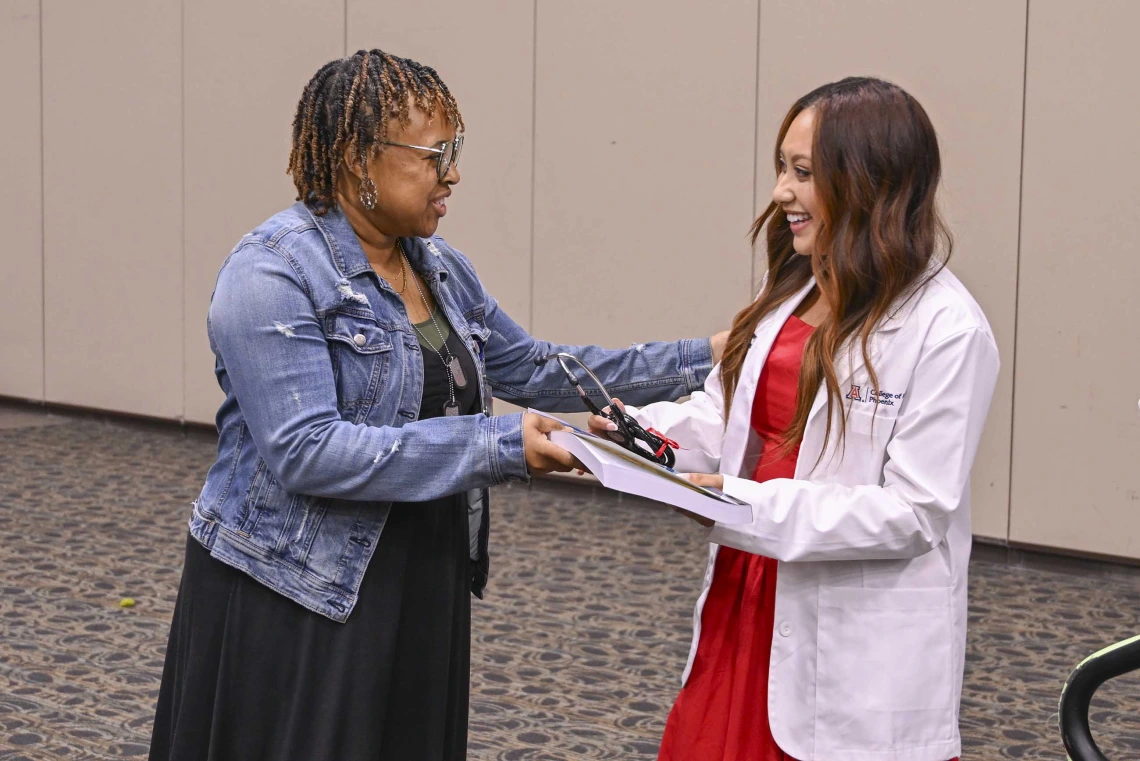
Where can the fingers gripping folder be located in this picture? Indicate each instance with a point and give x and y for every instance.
(618, 468)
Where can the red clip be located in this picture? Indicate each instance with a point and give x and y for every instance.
(666, 442)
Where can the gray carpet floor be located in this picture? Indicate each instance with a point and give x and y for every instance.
(577, 649)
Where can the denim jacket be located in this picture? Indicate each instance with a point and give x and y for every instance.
(318, 433)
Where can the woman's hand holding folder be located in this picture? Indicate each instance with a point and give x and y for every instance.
(600, 426)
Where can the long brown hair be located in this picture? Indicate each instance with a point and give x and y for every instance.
(876, 167)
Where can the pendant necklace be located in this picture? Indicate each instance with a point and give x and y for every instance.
(456, 378)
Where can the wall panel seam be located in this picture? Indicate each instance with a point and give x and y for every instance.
(1017, 277)
(182, 201)
(533, 152)
(43, 225)
(755, 155)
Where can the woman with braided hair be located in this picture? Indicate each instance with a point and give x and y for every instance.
(324, 608)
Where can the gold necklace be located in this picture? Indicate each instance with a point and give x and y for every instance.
(403, 271)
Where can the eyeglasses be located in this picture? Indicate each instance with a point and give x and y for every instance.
(448, 154)
(629, 434)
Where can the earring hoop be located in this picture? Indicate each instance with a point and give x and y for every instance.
(367, 193)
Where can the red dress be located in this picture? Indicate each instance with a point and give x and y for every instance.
(721, 713)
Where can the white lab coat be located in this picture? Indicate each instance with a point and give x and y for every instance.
(873, 543)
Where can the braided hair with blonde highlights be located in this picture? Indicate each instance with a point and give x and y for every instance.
(352, 102)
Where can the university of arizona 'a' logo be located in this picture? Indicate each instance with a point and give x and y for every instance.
(855, 394)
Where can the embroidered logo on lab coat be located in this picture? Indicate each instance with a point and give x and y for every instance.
(871, 396)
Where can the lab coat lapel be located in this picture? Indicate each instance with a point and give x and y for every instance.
(740, 418)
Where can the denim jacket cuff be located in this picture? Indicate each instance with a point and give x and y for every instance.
(696, 362)
(508, 457)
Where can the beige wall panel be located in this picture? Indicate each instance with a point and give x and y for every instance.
(928, 47)
(21, 209)
(1076, 464)
(645, 124)
(243, 80)
(113, 204)
(485, 54)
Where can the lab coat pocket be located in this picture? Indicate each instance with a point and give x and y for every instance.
(865, 442)
(884, 670)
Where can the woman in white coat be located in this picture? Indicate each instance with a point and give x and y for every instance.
(847, 411)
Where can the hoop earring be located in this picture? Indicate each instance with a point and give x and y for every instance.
(367, 192)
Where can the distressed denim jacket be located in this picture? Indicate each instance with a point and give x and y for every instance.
(318, 433)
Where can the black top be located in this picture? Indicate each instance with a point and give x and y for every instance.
(436, 392)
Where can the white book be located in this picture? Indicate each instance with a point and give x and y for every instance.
(621, 470)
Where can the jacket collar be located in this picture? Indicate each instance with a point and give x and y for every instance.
(349, 258)
(425, 257)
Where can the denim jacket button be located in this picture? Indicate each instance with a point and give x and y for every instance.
(359, 339)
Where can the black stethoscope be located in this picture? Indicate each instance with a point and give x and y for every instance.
(1089, 675)
(650, 444)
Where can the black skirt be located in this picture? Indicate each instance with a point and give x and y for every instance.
(252, 675)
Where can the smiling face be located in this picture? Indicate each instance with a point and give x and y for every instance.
(410, 196)
(795, 185)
